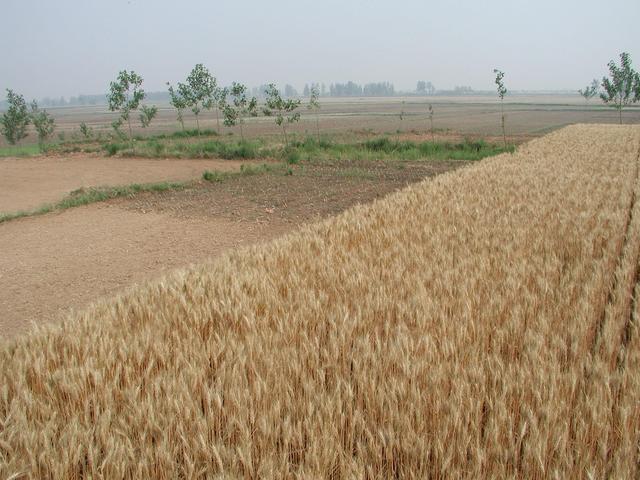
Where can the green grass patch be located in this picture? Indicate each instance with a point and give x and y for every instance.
(187, 133)
(384, 148)
(85, 196)
(19, 151)
(189, 145)
(154, 148)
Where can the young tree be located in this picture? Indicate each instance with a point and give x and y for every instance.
(283, 110)
(314, 106)
(237, 106)
(125, 95)
(147, 114)
(43, 122)
(220, 103)
(178, 102)
(623, 86)
(199, 91)
(431, 121)
(86, 130)
(401, 115)
(15, 120)
(502, 91)
(117, 128)
(589, 92)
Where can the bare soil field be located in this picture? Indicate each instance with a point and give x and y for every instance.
(58, 262)
(27, 183)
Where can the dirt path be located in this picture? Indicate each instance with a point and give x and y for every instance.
(27, 183)
(58, 262)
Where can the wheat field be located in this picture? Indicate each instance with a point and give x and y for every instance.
(483, 324)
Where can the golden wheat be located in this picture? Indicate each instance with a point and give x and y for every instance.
(482, 324)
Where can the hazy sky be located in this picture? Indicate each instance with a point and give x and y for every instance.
(68, 47)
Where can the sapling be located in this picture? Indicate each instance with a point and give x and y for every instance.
(147, 114)
(283, 110)
(16, 119)
(589, 91)
(43, 123)
(199, 91)
(178, 102)
(237, 105)
(623, 86)
(86, 131)
(502, 91)
(125, 95)
(431, 121)
(314, 106)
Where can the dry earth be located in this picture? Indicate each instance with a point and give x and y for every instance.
(26, 183)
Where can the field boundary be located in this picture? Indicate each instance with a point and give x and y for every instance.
(86, 196)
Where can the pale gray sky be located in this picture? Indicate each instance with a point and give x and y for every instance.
(69, 47)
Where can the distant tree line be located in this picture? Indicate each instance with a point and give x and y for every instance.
(352, 89)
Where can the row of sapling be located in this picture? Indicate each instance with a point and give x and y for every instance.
(15, 121)
(620, 90)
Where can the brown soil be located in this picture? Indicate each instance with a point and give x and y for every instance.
(27, 183)
(57, 262)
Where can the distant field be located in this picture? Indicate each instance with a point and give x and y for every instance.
(475, 115)
(481, 325)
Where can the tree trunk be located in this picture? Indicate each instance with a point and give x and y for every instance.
(241, 133)
(130, 131)
(504, 133)
(318, 127)
(433, 138)
(197, 125)
(218, 120)
(620, 111)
